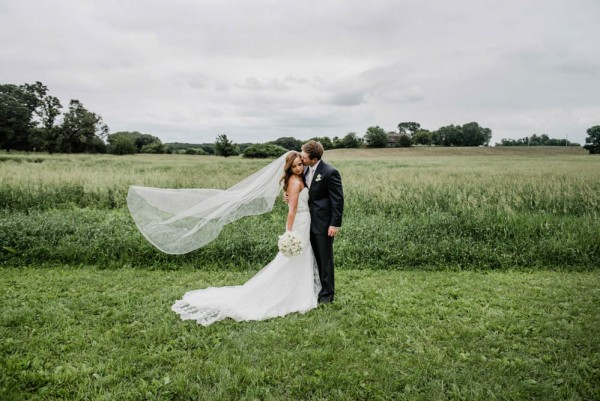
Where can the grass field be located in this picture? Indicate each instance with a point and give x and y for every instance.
(461, 274)
(442, 212)
(78, 334)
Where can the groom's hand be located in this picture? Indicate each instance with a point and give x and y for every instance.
(333, 231)
(285, 197)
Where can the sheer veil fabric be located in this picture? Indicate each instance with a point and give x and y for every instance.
(177, 221)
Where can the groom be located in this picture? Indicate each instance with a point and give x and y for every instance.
(326, 204)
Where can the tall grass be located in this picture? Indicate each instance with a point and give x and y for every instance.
(403, 210)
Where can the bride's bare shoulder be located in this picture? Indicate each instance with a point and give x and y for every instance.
(295, 184)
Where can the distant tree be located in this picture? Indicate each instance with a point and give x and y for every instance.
(264, 150)
(144, 143)
(47, 109)
(421, 137)
(208, 148)
(351, 140)
(289, 143)
(375, 137)
(408, 127)
(28, 117)
(224, 147)
(149, 142)
(513, 142)
(451, 135)
(15, 119)
(179, 147)
(243, 146)
(193, 151)
(436, 138)
(82, 130)
(325, 141)
(592, 141)
(474, 135)
(470, 134)
(337, 142)
(535, 140)
(121, 145)
(154, 147)
(404, 141)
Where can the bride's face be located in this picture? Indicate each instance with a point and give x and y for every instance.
(297, 166)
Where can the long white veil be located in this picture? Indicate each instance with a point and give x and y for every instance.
(178, 221)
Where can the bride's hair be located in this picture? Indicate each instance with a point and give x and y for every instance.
(287, 169)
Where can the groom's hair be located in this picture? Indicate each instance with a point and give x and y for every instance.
(313, 149)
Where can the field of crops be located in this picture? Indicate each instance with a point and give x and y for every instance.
(461, 274)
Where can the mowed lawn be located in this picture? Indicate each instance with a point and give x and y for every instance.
(84, 333)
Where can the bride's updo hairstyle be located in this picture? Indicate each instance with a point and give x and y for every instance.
(287, 168)
(313, 149)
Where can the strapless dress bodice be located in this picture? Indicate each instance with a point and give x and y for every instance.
(303, 201)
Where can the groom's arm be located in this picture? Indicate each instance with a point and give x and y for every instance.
(336, 196)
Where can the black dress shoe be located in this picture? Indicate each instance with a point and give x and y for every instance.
(325, 300)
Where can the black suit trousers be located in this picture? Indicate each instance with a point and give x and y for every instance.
(322, 246)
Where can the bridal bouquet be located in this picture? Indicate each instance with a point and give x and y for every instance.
(290, 243)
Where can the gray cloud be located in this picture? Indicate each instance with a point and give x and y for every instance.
(258, 70)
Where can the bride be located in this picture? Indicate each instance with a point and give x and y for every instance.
(285, 285)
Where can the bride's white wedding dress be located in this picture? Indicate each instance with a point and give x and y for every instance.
(285, 285)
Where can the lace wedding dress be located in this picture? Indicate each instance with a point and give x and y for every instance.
(285, 285)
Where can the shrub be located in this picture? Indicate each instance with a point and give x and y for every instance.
(264, 150)
(404, 141)
(122, 146)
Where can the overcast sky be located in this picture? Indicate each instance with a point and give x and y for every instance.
(187, 71)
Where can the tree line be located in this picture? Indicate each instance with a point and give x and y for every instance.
(536, 140)
(31, 120)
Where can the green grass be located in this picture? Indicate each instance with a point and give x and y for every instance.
(404, 210)
(461, 274)
(87, 333)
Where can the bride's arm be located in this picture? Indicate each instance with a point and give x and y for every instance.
(293, 192)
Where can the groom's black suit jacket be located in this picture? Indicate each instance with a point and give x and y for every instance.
(326, 199)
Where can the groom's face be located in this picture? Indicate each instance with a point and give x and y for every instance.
(307, 160)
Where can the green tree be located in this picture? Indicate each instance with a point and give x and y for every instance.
(82, 130)
(409, 127)
(178, 147)
(264, 150)
(535, 140)
(153, 147)
(404, 141)
(289, 143)
(47, 109)
(224, 147)
(592, 141)
(450, 135)
(475, 135)
(15, 118)
(375, 137)
(351, 140)
(121, 145)
(149, 142)
(421, 137)
(325, 141)
(144, 143)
